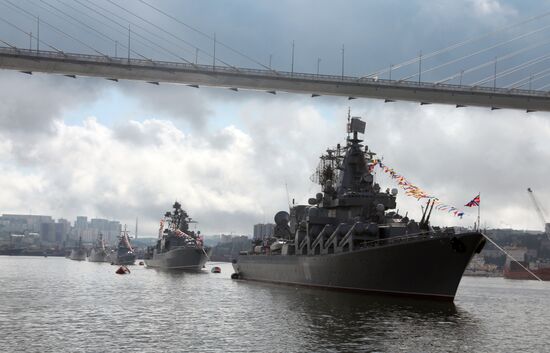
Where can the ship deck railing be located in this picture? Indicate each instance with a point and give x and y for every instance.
(428, 234)
(400, 239)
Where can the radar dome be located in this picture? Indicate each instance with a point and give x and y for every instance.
(282, 218)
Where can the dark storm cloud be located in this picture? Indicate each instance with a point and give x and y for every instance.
(177, 101)
(29, 104)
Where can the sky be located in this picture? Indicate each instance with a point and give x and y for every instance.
(123, 150)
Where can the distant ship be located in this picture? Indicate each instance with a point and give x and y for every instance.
(348, 238)
(177, 246)
(123, 254)
(78, 253)
(98, 252)
(514, 270)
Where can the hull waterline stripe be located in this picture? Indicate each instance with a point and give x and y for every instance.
(414, 294)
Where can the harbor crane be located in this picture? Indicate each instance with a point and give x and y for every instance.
(540, 212)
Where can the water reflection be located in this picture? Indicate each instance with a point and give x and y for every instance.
(54, 304)
(334, 321)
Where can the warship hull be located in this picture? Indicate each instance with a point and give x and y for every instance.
(98, 256)
(515, 271)
(429, 267)
(125, 259)
(192, 259)
(78, 255)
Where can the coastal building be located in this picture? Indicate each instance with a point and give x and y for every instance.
(263, 230)
(14, 223)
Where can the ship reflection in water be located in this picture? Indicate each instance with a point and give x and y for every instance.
(52, 304)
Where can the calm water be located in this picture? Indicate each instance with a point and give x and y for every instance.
(55, 304)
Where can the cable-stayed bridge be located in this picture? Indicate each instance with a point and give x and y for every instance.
(483, 92)
(154, 72)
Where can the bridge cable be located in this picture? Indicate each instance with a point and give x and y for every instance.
(477, 67)
(170, 34)
(208, 36)
(512, 69)
(8, 44)
(114, 29)
(138, 26)
(543, 87)
(118, 31)
(71, 17)
(529, 79)
(476, 53)
(134, 32)
(23, 31)
(454, 46)
(93, 29)
(108, 25)
(57, 29)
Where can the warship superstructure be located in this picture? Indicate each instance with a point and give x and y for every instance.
(98, 252)
(177, 247)
(123, 254)
(78, 253)
(349, 237)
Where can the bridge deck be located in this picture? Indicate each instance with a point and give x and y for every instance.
(269, 80)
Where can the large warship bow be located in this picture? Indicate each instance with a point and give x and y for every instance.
(178, 247)
(350, 238)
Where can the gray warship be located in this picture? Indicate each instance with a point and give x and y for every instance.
(78, 253)
(98, 252)
(177, 248)
(350, 238)
(123, 254)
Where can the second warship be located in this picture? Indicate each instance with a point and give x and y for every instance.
(98, 252)
(78, 253)
(123, 254)
(349, 237)
(177, 247)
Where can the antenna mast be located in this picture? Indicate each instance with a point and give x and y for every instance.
(287, 195)
(349, 121)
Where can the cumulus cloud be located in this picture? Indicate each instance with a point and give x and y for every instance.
(492, 8)
(232, 177)
(229, 157)
(139, 169)
(454, 154)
